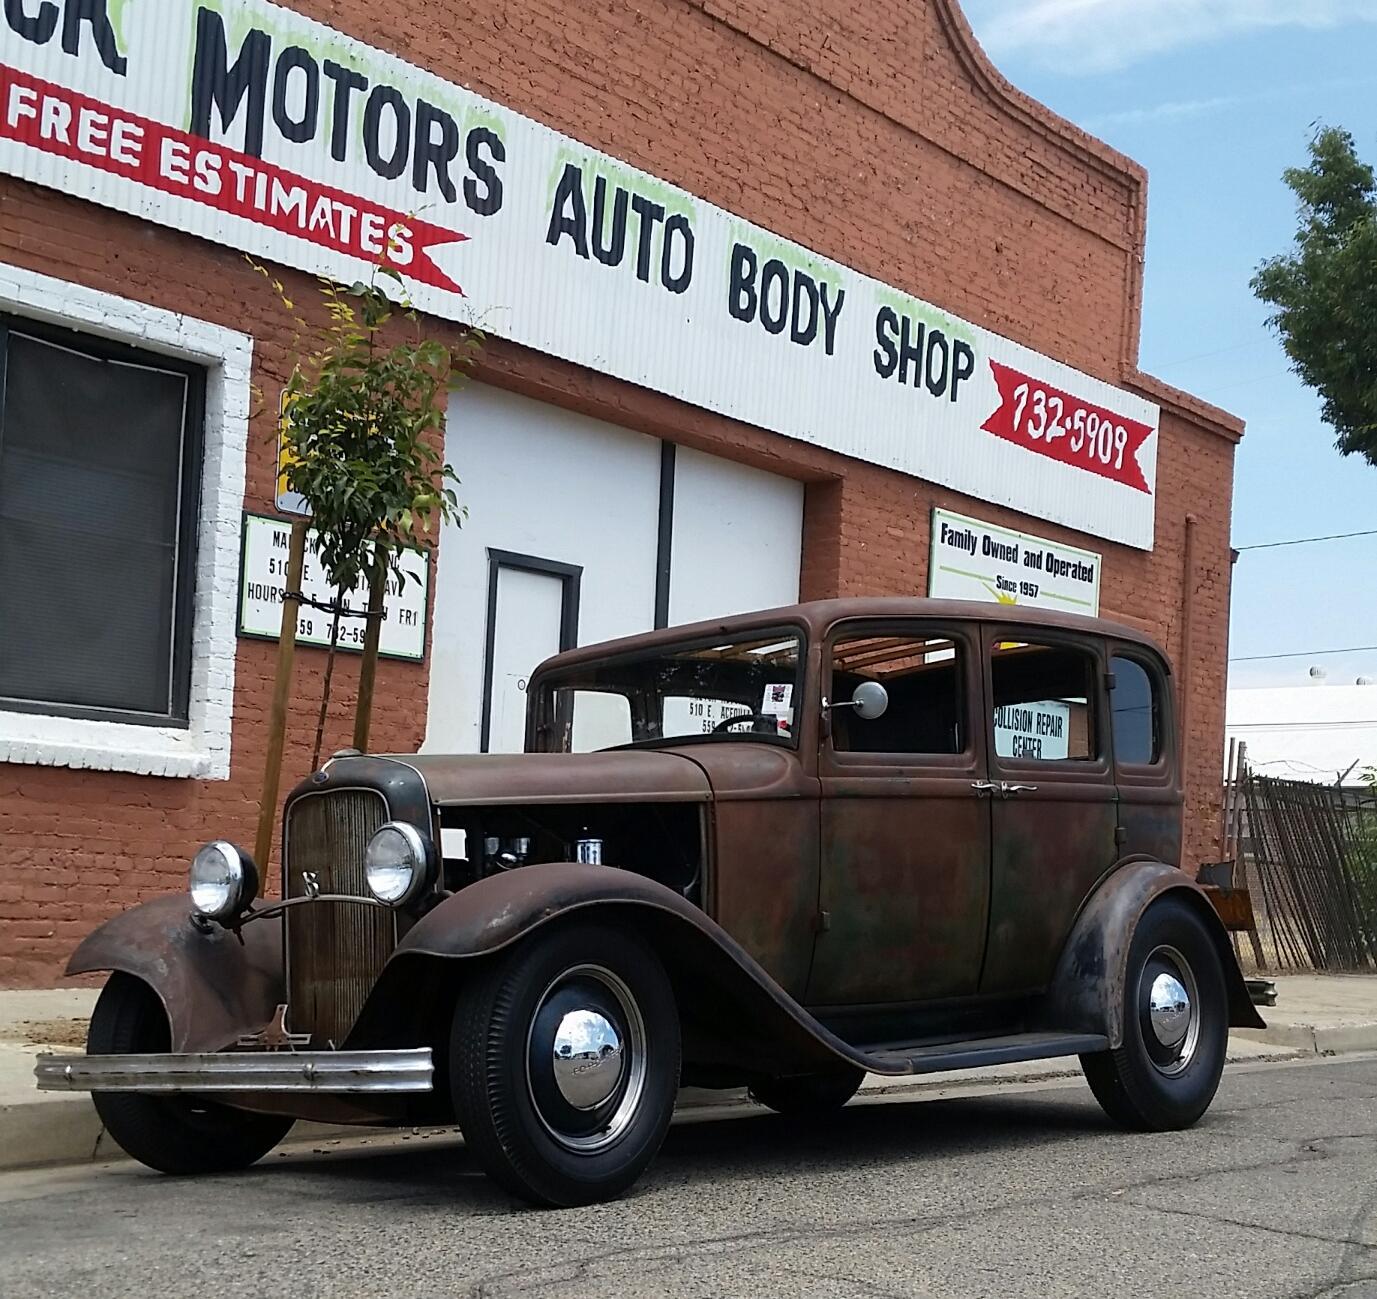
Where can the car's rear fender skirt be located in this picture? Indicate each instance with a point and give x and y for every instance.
(213, 985)
(1087, 992)
(733, 1013)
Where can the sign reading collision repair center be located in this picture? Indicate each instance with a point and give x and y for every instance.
(1036, 730)
(249, 125)
(263, 578)
(971, 560)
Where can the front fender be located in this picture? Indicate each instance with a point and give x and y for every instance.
(1087, 993)
(213, 985)
(733, 1012)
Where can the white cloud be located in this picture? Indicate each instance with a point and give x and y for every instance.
(1091, 36)
(1169, 111)
(1172, 110)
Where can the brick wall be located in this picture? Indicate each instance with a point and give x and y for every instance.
(870, 131)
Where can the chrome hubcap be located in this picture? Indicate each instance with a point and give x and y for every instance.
(586, 1059)
(1169, 1009)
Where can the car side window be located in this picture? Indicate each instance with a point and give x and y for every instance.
(1135, 710)
(923, 677)
(1043, 702)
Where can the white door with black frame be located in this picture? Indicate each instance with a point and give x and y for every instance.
(532, 614)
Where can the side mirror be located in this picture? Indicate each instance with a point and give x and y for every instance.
(870, 700)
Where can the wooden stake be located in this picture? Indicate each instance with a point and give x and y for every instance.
(282, 688)
(1226, 821)
(368, 669)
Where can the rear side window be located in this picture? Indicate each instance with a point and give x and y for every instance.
(1044, 702)
(1135, 709)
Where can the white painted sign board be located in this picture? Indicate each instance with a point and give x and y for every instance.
(252, 126)
(263, 577)
(971, 560)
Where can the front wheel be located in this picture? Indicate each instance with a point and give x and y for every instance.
(172, 1134)
(1176, 1025)
(564, 1064)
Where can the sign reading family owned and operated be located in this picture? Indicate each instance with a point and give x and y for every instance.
(250, 125)
(971, 560)
(263, 578)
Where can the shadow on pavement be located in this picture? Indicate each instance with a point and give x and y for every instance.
(754, 1146)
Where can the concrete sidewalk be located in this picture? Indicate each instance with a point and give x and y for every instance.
(1314, 1015)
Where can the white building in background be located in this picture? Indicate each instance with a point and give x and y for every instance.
(1314, 732)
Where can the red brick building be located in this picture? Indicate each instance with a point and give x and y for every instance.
(869, 147)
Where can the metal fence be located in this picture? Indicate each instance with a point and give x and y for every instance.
(1310, 856)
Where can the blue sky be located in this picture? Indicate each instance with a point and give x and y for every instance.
(1215, 98)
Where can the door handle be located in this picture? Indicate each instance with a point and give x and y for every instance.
(1006, 790)
(985, 786)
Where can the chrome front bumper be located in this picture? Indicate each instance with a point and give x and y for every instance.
(240, 1071)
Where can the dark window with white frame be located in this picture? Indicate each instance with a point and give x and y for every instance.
(100, 472)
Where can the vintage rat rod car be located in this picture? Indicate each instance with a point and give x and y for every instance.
(777, 850)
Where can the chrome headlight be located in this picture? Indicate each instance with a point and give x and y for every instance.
(224, 880)
(397, 863)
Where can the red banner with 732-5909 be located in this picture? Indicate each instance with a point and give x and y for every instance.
(57, 120)
(1053, 423)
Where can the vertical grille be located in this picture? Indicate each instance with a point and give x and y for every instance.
(335, 950)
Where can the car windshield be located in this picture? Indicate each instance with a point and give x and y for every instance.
(742, 689)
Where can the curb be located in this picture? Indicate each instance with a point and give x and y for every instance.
(1314, 1041)
(56, 1133)
(65, 1130)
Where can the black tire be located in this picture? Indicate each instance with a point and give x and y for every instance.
(1151, 1085)
(808, 1095)
(509, 1101)
(172, 1134)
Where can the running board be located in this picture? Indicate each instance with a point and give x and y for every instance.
(935, 1057)
(240, 1071)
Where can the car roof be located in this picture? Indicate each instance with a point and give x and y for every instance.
(817, 616)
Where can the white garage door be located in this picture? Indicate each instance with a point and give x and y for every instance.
(562, 546)
(738, 533)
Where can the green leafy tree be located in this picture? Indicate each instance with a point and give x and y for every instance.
(1324, 292)
(363, 425)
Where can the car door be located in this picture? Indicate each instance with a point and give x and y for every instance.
(1055, 810)
(904, 825)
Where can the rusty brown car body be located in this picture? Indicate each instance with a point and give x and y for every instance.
(785, 898)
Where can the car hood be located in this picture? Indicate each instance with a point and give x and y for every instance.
(618, 776)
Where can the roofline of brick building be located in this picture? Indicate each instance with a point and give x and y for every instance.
(1203, 414)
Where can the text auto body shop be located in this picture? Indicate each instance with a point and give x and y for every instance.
(254, 127)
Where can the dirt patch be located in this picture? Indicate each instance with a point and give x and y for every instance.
(52, 1032)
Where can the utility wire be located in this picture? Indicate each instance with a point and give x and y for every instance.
(1305, 541)
(1304, 654)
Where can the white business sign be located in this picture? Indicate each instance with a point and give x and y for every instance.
(263, 578)
(247, 124)
(971, 560)
(1037, 730)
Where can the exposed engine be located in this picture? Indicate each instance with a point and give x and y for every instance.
(661, 841)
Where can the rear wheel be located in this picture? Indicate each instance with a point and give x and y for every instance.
(1176, 1025)
(173, 1134)
(564, 1063)
(808, 1095)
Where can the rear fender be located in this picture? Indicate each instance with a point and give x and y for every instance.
(733, 1013)
(1087, 993)
(214, 986)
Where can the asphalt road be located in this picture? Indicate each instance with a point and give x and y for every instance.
(1013, 1191)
